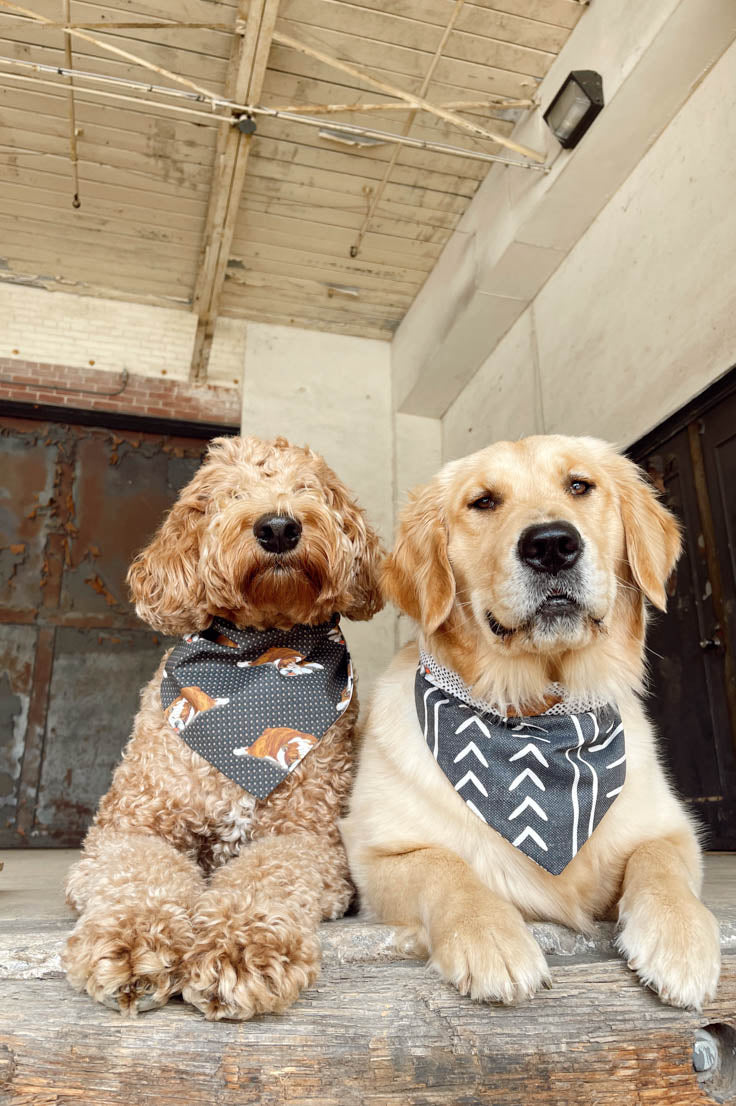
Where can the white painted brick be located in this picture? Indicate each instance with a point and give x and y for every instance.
(62, 328)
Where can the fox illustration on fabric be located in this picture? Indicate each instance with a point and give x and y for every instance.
(185, 708)
(284, 746)
(287, 662)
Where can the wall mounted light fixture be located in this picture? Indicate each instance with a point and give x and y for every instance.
(575, 107)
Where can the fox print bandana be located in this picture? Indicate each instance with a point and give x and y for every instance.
(543, 782)
(254, 702)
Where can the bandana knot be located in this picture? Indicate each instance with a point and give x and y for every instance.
(254, 702)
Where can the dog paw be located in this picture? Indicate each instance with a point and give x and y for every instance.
(673, 946)
(128, 960)
(491, 959)
(250, 964)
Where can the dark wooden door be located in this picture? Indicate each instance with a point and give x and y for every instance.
(692, 647)
(76, 503)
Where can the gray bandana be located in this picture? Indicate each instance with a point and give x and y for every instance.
(254, 702)
(543, 783)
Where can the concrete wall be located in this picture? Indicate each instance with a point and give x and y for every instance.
(333, 393)
(640, 316)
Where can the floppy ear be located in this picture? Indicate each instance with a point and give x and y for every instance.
(365, 585)
(164, 580)
(652, 533)
(364, 589)
(417, 576)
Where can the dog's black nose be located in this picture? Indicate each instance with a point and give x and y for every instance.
(550, 546)
(277, 533)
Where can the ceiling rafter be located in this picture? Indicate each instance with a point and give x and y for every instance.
(148, 179)
(416, 102)
(379, 190)
(247, 73)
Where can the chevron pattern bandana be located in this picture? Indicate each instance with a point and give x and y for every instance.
(543, 782)
(254, 702)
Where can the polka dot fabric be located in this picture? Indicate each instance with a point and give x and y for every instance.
(254, 702)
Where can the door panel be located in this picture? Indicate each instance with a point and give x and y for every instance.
(93, 696)
(718, 437)
(76, 503)
(693, 696)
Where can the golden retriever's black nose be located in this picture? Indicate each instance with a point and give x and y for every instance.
(277, 533)
(550, 546)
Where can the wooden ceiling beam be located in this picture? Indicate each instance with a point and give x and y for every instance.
(247, 73)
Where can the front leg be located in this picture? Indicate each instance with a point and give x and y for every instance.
(474, 938)
(135, 893)
(668, 937)
(255, 946)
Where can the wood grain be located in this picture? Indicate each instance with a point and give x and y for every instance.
(375, 1029)
(146, 173)
(389, 1034)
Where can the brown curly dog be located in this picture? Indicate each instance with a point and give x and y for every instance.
(186, 882)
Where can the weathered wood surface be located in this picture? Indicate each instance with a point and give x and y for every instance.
(374, 1029)
(384, 1033)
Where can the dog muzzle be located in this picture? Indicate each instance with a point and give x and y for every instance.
(255, 702)
(543, 782)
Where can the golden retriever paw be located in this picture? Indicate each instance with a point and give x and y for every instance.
(491, 960)
(127, 959)
(673, 946)
(242, 965)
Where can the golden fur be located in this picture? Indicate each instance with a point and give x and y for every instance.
(186, 883)
(420, 858)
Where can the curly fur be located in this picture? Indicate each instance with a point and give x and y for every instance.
(187, 883)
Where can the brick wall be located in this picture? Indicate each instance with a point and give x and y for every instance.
(67, 386)
(111, 335)
(66, 350)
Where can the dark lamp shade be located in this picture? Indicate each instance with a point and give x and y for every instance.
(575, 107)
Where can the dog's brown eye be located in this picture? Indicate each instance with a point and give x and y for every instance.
(484, 503)
(580, 487)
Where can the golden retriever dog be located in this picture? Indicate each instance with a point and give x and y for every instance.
(186, 881)
(527, 567)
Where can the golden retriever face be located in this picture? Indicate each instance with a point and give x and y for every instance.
(537, 546)
(265, 534)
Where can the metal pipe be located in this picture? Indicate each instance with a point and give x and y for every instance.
(275, 113)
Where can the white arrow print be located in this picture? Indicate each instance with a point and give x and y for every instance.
(607, 742)
(528, 801)
(469, 721)
(530, 749)
(472, 748)
(532, 776)
(474, 808)
(470, 777)
(529, 832)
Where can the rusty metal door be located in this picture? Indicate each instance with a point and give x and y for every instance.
(693, 647)
(76, 503)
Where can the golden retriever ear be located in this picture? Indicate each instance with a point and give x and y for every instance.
(652, 533)
(164, 579)
(417, 576)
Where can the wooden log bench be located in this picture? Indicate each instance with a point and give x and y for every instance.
(375, 1028)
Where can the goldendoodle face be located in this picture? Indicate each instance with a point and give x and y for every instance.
(265, 534)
